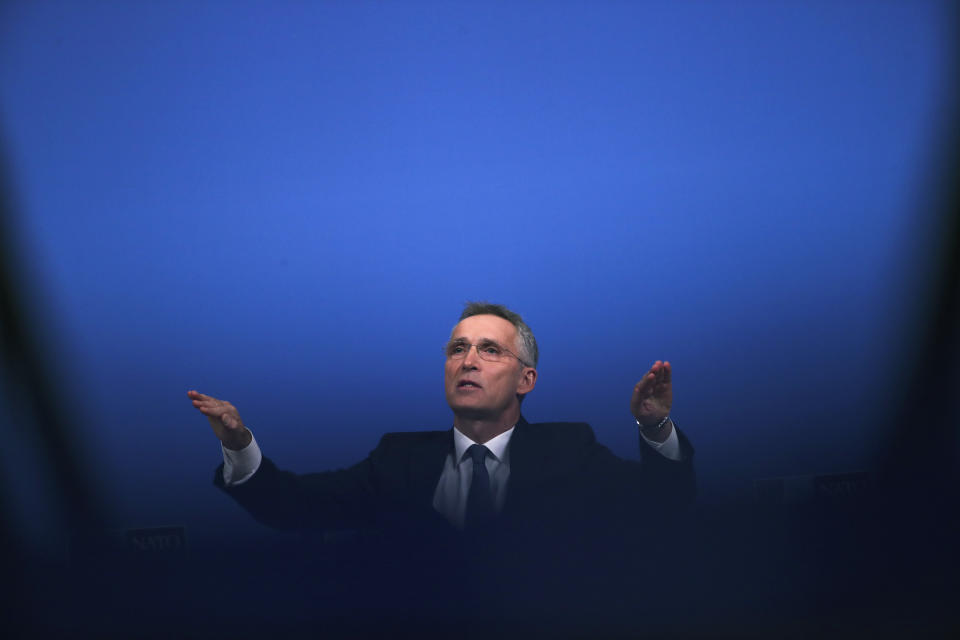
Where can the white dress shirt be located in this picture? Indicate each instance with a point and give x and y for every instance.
(450, 496)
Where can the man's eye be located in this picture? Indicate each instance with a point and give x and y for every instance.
(492, 349)
(457, 348)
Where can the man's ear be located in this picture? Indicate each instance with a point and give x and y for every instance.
(528, 380)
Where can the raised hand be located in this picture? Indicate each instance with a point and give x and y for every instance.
(224, 418)
(653, 395)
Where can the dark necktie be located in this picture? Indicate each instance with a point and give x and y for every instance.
(480, 499)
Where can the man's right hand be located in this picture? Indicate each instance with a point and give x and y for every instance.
(224, 419)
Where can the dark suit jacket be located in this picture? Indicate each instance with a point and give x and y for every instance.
(559, 476)
(566, 540)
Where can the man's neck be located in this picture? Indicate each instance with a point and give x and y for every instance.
(481, 430)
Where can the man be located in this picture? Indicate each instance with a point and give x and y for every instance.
(490, 367)
(534, 527)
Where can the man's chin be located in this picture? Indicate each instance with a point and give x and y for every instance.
(472, 412)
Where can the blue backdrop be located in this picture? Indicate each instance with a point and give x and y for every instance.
(286, 205)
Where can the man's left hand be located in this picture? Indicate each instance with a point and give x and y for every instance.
(651, 401)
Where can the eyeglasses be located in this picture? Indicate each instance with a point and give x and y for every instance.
(487, 350)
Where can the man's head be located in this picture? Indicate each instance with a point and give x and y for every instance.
(491, 362)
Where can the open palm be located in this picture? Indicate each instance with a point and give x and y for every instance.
(653, 395)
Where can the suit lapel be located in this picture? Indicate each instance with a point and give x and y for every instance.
(427, 465)
(525, 460)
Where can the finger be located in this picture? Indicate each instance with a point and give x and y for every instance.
(213, 402)
(652, 377)
(667, 372)
(196, 395)
(215, 412)
(662, 375)
(659, 383)
(643, 387)
(651, 371)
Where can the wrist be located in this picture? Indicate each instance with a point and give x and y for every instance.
(653, 424)
(657, 431)
(238, 441)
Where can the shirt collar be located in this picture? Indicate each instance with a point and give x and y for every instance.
(498, 446)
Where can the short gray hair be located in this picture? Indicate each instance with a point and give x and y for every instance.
(526, 343)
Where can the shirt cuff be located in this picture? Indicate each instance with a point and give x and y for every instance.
(239, 466)
(669, 448)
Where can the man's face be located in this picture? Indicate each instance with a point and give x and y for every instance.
(480, 389)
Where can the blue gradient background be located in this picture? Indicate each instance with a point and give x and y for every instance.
(286, 205)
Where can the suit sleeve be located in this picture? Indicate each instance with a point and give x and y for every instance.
(665, 480)
(330, 500)
(654, 481)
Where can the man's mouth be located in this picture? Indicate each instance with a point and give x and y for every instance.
(467, 384)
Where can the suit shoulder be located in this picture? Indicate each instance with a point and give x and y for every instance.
(402, 439)
(572, 432)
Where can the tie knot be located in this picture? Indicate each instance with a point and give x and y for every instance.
(478, 453)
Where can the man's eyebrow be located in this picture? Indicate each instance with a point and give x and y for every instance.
(479, 341)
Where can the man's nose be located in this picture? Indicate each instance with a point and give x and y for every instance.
(472, 357)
